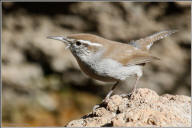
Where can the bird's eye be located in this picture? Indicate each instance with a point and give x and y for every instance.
(78, 43)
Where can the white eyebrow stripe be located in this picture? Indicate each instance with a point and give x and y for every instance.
(90, 43)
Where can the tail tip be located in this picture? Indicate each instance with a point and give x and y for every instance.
(173, 31)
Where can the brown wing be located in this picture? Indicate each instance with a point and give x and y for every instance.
(128, 55)
(123, 53)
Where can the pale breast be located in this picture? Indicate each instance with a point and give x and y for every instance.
(98, 73)
(108, 70)
(116, 70)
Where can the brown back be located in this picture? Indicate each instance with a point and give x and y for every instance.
(123, 53)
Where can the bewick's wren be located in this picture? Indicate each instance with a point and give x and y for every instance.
(111, 61)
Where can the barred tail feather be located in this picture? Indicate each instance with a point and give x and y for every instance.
(147, 42)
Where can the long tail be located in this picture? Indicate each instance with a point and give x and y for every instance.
(147, 42)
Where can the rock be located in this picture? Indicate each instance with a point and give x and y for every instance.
(144, 108)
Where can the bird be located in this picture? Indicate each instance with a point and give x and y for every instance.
(111, 61)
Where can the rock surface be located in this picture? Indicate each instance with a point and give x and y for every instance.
(144, 108)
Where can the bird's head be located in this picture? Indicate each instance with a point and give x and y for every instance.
(81, 44)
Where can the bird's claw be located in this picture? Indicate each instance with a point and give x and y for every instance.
(96, 106)
(103, 104)
(129, 94)
(126, 95)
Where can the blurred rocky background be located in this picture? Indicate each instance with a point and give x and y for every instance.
(41, 81)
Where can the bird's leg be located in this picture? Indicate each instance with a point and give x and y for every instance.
(134, 88)
(135, 85)
(111, 91)
(107, 97)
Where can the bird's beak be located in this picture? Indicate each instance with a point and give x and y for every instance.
(60, 38)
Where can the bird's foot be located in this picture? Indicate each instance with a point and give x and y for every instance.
(96, 106)
(129, 94)
(103, 104)
(126, 95)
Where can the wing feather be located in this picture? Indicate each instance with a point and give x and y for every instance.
(128, 55)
